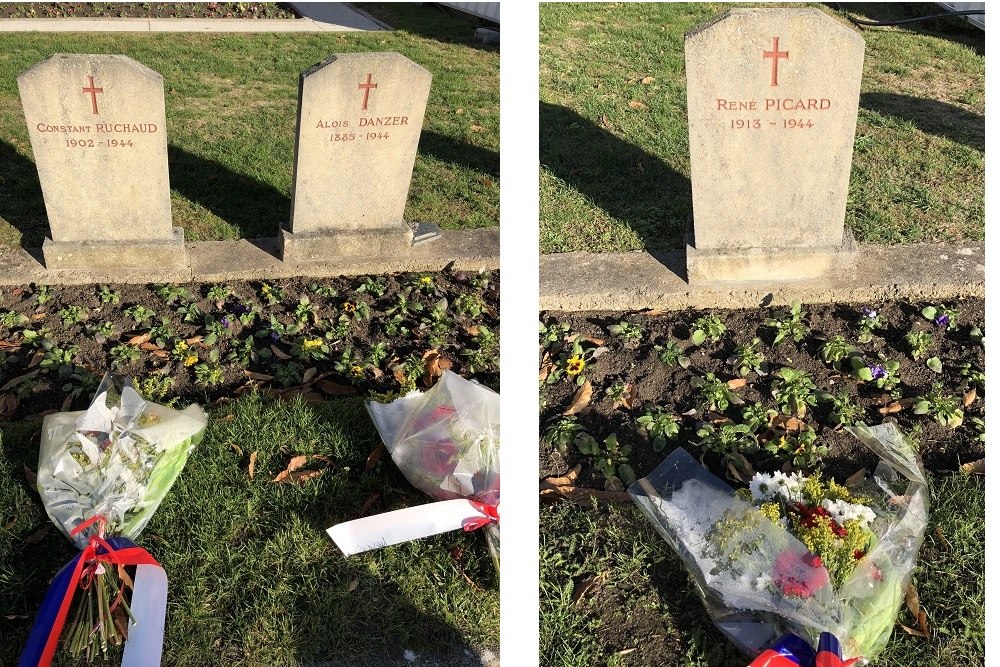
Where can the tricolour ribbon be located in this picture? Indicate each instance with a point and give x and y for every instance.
(412, 523)
(149, 599)
(794, 651)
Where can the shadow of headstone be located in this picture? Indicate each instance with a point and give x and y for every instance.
(931, 116)
(449, 149)
(21, 201)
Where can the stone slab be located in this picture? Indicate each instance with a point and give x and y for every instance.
(257, 259)
(307, 247)
(772, 100)
(97, 125)
(116, 257)
(359, 122)
(769, 264)
(580, 281)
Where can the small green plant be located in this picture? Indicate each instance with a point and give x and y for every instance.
(218, 294)
(708, 327)
(271, 293)
(884, 374)
(758, 416)
(716, 394)
(843, 410)
(374, 286)
(81, 382)
(941, 316)
(378, 353)
(836, 350)
(610, 458)
(617, 392)
(470, 305)
(71, 315)
(791, 326)
(423, 282)
(359, 310)
(801, 448)
(44, 295)
(794, 390)
(630, 334)
(60, 358)
(107, 295)
(10, 319)
(729, 440)
(485, 357)
(208, 374)
(408, 371)
(660, 425)
(288, 373)
(102, 331)
(945, 409)
(171, 293)
(190, 312)
(572, 361)
(671, 354)
(123, 355)
(979, 426)
(920, 343)
(155, 388)
(404, 305)
(748, 358)
(140, 314)
(867, 324)
(552, 335)
(562, 434)
(304, 310)
(310, 347)
(972, 377)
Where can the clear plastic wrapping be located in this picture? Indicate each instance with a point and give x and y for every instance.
(760, 581)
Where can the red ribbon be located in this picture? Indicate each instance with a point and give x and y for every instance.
(86, 564)
(490, 515)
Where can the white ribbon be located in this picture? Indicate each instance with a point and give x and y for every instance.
(412, 523)
(144, 646)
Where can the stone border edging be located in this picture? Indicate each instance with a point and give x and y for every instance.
(581, 281)
(255, 259)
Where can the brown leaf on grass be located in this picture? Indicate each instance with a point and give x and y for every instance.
(637, 105)
(434, 366)
(369, 502)
(30, 477)
(334, 389)
(580, 399)
(138, 340)
(736, 383)
(856, 478)
(8, 405)
(939, 536)
(253, 464)
(913, 604)
(581, 589)
(469, 581)
(149, 346)
(974, 467)
(569, 479)
(236, 448)
(226, 418)
(353, 585)
(969, 397)
(476, 128)
(279, 354)
(309, 375)
(38, 535)
(294, 474)
(646, 80)
(36, 359)
(18, 380)
(261, 377)
(375, 456)
(556, 487)
(605, 123)
(297, 462)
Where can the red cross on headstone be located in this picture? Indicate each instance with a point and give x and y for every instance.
(367, 85)
(774, 56)
(93, 95)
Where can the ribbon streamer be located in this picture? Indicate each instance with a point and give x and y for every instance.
(794, 651)
(412, 523)
(149, 601)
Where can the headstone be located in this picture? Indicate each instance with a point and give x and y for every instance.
(359, 122)
(772, 100)
(98, 133)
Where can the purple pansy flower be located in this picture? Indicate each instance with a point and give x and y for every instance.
(869, 313)
(225, 322)
(942, 320)
(878, 372)
(275, 337)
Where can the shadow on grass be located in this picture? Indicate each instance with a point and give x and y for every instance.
(256, 209)
(21, 202)
(629, 183)
(449, 149)
(431, 20)
(955, 28)
(931, 116)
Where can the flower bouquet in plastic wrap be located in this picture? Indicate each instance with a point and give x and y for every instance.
(101, 475)
(446, 442)
(797, 559)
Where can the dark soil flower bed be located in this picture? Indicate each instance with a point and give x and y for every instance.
(366, 335)
(153, 10)
(631, 362)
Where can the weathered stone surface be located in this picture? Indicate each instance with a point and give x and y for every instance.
(98, 133)
(360, 116)
(772, 109)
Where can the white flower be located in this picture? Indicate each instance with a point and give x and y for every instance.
(842, 511)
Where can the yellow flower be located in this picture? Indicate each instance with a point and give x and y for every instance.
(191, 360)
(311, 343)
(180, 346)
(772, 511)
(348, 307)
(426, 280)
(357, 371)
(575, 365)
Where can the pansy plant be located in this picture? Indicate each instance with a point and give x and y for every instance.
(945, 409)
(671, 354)
(794, 390)
(919, 343)
(868, 323)
(748, 358)
(941, 316)
(707, 328)
(791, 326)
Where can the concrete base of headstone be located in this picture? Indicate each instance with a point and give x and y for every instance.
(768, 264)
(116, 256)
(311, 247)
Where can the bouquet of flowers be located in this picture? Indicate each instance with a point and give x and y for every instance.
(446, 442)
(797, 554)
(101, 475)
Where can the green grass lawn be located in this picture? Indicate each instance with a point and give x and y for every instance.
(640, 583)
(615, 169)
(231, 105)
(254, 579)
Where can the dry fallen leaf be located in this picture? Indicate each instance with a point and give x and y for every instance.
(36, 359)
(975, 467)
(149, 346)
(584, 587)
(637, 105)
(648, 80)
(236, 448)
(8, 405)
(627, 400)
(476, 128)
(939, 536)
(569, 479)
(309, 375)
(969, 397)
(30, 477)
(369, 502)
(279, 354)
(580, 399)
(856, 478)
(334, 389)
(38, 535)
(226, 418)
(261, 377)
(434, 366)
(138, 340)
(352, 586)
(374, 457)
(253, 464)
(736, 383)
(913, 604)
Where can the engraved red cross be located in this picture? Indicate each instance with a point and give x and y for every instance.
(367, 86)
(93, 95)
(774, 56)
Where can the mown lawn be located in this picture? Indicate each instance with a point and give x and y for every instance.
(615, 169)
(231, 106)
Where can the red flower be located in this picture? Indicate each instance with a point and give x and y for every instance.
(439, 458)
(809, 519)
(799, 576)
(859, 554)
